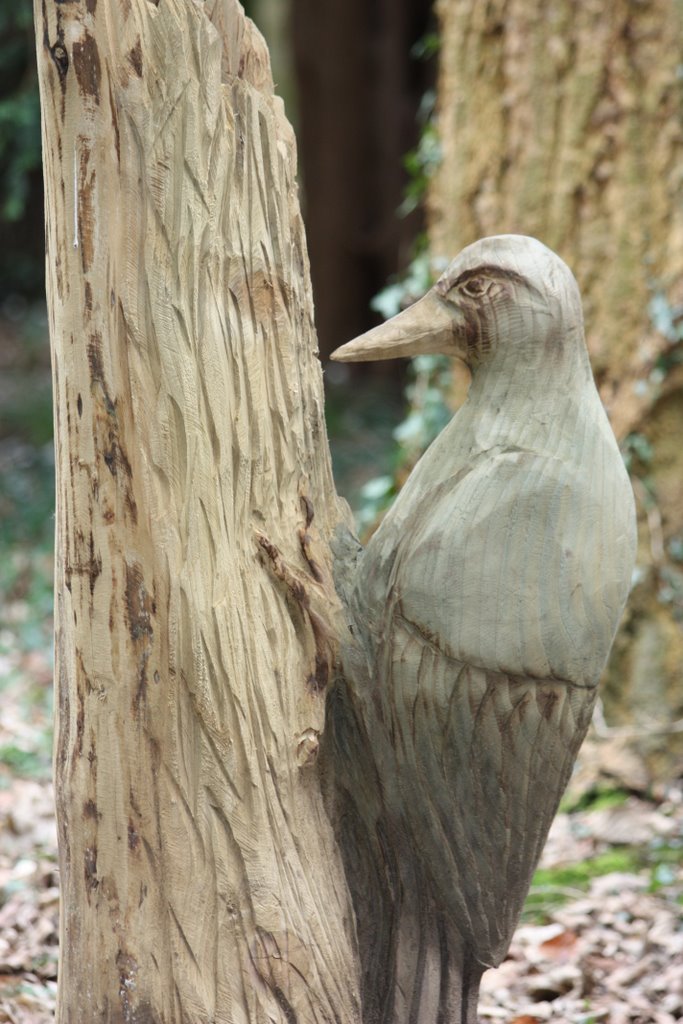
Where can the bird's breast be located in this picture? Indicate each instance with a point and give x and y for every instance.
(521, 565)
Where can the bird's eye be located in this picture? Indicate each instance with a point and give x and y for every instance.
(475, 287)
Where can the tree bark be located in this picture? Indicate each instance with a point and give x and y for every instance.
(563, 121)
(195, 616)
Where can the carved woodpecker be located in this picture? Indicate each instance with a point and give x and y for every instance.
(484, 608)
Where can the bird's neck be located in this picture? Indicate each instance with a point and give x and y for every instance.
(510, 405)
(515, 398)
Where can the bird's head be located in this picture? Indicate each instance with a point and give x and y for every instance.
(508, 295)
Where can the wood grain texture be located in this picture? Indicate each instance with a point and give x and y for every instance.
(483, 608)
(200, 877)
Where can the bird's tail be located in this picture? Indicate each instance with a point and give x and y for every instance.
(436, 977)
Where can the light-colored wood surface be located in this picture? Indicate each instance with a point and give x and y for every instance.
(200, 878)
(484, 606)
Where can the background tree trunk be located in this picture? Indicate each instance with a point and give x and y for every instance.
(358, 97)
(564, 121)
(200, 878)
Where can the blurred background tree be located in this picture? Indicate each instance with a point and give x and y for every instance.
(26, 459)
(23, 341)
(360, 82)
(565, 121)
(21, 189)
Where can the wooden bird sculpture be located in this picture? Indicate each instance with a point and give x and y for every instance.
(482, 612)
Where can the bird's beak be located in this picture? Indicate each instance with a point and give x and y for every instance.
(430, 326)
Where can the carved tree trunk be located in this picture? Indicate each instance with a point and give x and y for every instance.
(563, 121)
(201, 881)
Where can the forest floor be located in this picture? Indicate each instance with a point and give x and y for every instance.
(602, 934)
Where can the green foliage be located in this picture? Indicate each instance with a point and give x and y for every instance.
(28, 764)
(25, 660)
(553, 887)
(675, 547)
(26, 543)
(428, 413)
(376, 497)
(26, 587)
(26, 497)
(361, 419)
(622, 859)
(421, 162)
(670, 590)
(19, 107)
(428, 382)
(636, 451)
(600, 797)
(428, 375)
(411, 286)
(426, 47)
(667, 319)
(19, 149)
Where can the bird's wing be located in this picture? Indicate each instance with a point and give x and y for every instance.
(473, 764)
